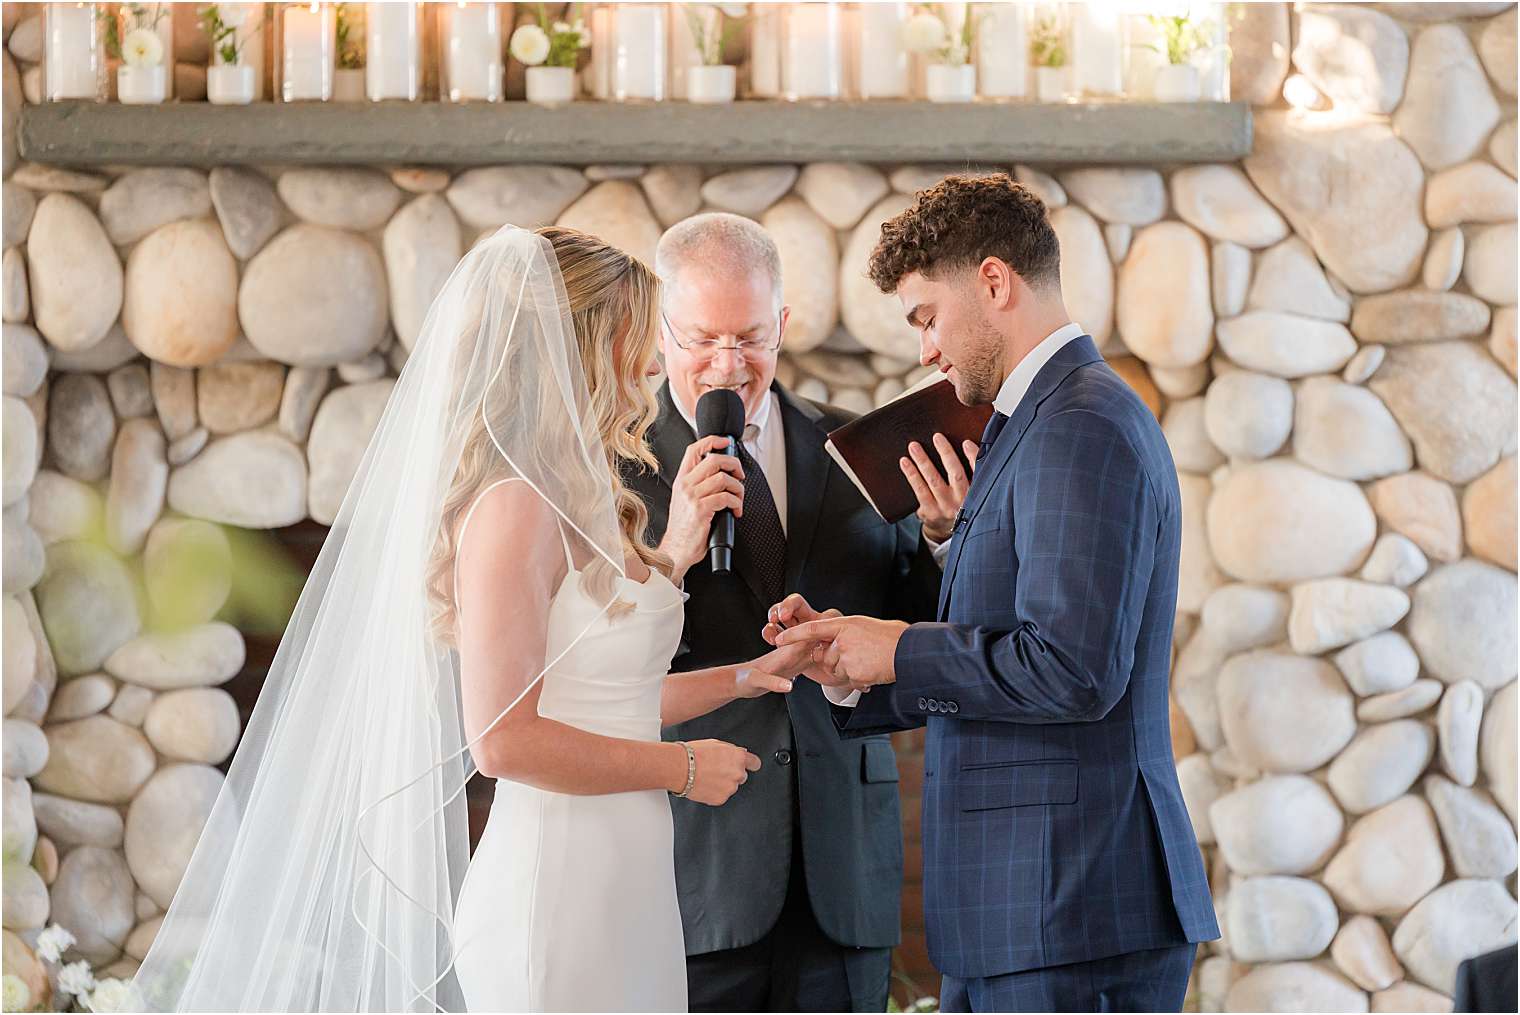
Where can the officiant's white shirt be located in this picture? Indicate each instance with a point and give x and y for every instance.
(1008, 398)
(764, 439)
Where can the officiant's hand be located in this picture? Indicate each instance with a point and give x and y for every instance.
(705, 484)
(861, 650)
(790, 612)
(939, 496)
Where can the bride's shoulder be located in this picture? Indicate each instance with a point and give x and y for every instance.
(509, 507)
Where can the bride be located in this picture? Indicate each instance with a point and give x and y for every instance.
(485, 600)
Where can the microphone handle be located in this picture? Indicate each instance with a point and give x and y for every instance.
(720, 538)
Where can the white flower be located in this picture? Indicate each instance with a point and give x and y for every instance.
(76, 978)
(562, 27)
(114, 995)
(142, 48)
(530, 45)
(53, 942)
(923, 33)
(734, 10)
(18, 996)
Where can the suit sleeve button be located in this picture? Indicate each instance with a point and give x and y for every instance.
(923, 703)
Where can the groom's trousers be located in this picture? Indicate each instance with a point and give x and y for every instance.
(1152, 980)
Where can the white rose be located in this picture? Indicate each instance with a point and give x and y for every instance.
(923, 33)
(530, 45)
(114, 995)
(142, 48)
(561, 27)
(76, 978)
(18, 996)
(53, 942)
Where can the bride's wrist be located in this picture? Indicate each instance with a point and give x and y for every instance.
(678, 767)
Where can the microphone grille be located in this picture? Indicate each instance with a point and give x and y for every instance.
(720, 411)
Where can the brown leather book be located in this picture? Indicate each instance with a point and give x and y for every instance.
(868, 449)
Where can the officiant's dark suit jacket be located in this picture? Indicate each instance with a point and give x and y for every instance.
(733, 862)
(1054, 827)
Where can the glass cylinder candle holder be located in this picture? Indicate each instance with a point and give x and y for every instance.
(73, 52)
(765, 50)
(306, 52)
(392, 51)
(882, 62)
(812, 51)
(690, 25)
(236, 73)
(638, 52)
(1097, 49)
(1213, 60)
(1002, 50)
(471, 64)
(1049, 52)
(145, 37)
(1146, 55)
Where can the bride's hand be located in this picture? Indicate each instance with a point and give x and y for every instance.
(721, 769)
(763, 677)
(804, 657)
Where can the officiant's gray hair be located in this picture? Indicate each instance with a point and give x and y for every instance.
(726, 244)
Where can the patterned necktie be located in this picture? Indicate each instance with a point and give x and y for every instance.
(990, 435)
(762, 540)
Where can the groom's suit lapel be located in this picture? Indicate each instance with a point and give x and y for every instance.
(1076, 353)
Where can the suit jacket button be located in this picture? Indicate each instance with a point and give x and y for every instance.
(933, 705)
(923, 703)
(954, 708)
(783, 757)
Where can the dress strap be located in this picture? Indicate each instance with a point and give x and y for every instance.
(470, 513)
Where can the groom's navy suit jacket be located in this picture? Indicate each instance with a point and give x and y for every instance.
(1054, 827)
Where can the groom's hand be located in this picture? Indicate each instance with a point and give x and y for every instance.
(705, 484)
(939, 496)
(791, 611)
(860, 651)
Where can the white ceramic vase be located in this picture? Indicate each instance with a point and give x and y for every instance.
(711, 85)
(141, 86)
(1050, 84)
(550, 86)
(230, 85)
(950, 82)
(1177, 82)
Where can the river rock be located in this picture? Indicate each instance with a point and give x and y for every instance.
(255, 479)
(809, 251)
(26, 749)
(1294, 986)
(1332, 612)
(1455, 403)
(64, 509)
(238, 396)
(164, 823)
(1488, 514)
(1043, 185)
(616, 213)
(143, 200)
(1274, 918)
(81, 426)
(1443, 262)
(1377, 665)
(1501, 146)
(77, 823)
(83, 696)
(196, 724)
(1455, 922)
(1496, 45)
(93, 898)
(1231, 265)
(1412, 700)
(525, 196)
(313, 297)
(1356, 56)
(1220, 202)
(246, 207)
(1479, 839)
(17, 296)
(1284, 344)
(1187, 436)
(1284, 713)
(187, 570)
(75, 275)
(339, 436)
(1496, 748)
(1409, 996)
(422, 244)
(1242, 617)
(1248, 415)
(96, 759)
(88, 605)
(21, 450)
(1131, 196)
(1489, 265)
(1380, 764)
(841, 192)
(1395, 560)
(1290, 278)
(1280, 824)
(1368, 229)
(874, 317)
(1422, 508)
(24, 555)
(1198, 575)
(749, 191)
(1361, 951)
(1254, 533)
(1164, 308)
(1416, 315)
(181, 294)
(26, 360)
(1462, 622)
(1086, 274)
(1458, 720)
(200, 656)
(1391, 859)
(1201, 786)
(139, 475)
(347, 198)
(1471, 192)
(1501, 338)
(1448, 109)
(674, 191)
(131, 705)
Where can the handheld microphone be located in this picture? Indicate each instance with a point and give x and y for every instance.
(721, 412)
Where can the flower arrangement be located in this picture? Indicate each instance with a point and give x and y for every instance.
(928, 34)
(1047, 42)
(139, 45)
(712, 27)
(552, 45)
(225, 42)
(74, 980)
(1181, 36)
(348, 30)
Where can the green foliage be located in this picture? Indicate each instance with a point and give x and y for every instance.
(349, 30)
(711, 44)
(137, 15)
(1181, 36)
(224, 39)
(564, 46)
(1047, 42)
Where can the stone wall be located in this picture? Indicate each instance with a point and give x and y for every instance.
(1327, 331)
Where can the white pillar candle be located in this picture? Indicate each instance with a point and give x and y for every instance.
(882, 60)
(72, 52)
(639, 60)
(1002, 51)
(599, 71)
(472, 52)
(393, 42)
(812, 51)
(765, 51)
(306, 53)
(684, 51)
(1147, 55)
(1098, 48)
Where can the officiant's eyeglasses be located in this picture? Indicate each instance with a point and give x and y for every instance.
(750, 346)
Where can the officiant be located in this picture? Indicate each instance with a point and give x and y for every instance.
(790, 892)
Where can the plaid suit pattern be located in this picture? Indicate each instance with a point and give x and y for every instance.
(1054, 826)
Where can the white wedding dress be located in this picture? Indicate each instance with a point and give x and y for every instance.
(569, 903)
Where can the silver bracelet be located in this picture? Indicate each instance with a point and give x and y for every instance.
(691, 769)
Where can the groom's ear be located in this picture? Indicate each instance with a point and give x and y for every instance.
(998, 283)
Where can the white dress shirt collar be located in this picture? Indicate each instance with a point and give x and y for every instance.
(1017, 385)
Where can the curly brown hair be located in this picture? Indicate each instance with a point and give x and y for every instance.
(962, 220)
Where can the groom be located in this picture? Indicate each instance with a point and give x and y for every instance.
(1060, 868)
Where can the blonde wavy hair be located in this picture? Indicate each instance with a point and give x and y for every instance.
(613, 302)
